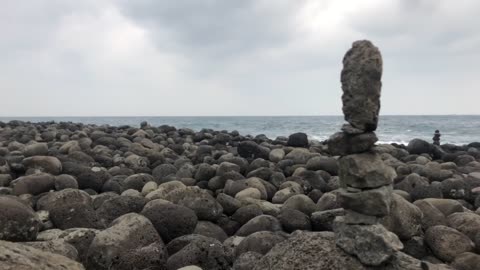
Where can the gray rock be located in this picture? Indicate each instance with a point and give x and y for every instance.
(405, 219)
(65, 181)
(229, 204)
(366, 170)
(204, 252)
(341, 143)
(298, 140)
(199, 200)
(372, 244)
(15, 256)
(246, 213)
(466, 261)
(35, 149)
(59, 246)
(118, 206)
(300, 202)
(209, 229)
(308, 251)
(361, 85)
(127, 233)
(419, 146)
(276, 155)
(259, 242)
(45, 164)
(260, 223)
(293, 220)
(323, 220)
(18, 222)
(170, 220)
(447, 243)
(466, 223)
(33, 184)
(247, 261)
(431, 216)
(327, 164)
(153, 256)
(373, 202)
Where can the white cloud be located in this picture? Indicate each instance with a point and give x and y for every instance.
(231, 58)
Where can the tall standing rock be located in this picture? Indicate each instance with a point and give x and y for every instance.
(361, 85)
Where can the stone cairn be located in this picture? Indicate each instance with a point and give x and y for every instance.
(436, 137)
(365, 180)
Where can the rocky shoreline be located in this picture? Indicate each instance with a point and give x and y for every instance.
(103, 197)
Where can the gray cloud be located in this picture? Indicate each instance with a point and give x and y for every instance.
(215, 57)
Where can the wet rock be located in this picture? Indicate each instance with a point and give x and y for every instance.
(418, 146)
(18, 222)
(361, 85)
(251, 150)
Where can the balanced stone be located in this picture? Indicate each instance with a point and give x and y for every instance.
(343, 143)
(361, 85)
(366, 170)
(372, 202)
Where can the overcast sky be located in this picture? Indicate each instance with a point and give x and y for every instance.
(232, 57)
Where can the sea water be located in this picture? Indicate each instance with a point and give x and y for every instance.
(456, 129)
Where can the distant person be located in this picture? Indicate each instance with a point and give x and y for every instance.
(436, 137)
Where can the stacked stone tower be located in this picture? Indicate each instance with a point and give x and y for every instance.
(365, 180)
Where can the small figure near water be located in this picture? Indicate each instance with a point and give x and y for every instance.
(436, 137)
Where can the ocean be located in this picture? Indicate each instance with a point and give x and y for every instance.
(455, 129)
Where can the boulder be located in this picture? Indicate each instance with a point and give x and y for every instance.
(170, 220)
(308, 251)
(466, 223)
(18, 222)
(259, 242)
(58, 246)
(276, 155)
(405, 219)
(361, 84)
(118, 206)
(447, 243)
(125, 235)
(247, 261)
(15, 256)
(298, 140)
(209, 229)
(371, 244)
(466, 261)
(372, 202)
(342, 143)
(46, 164)
(33, 184)
(199, 200)
(419, 146)
(260, 223)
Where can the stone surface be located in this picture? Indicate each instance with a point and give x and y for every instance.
(15, 256)
(341, 143)
(18, 222)
(373, 202)
(405, 219)
(366, 170)
(447, 243)
(308, 251)
(127, 233)
(361, 84)
(372, 244)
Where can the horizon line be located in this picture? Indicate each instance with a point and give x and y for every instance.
(152, 116)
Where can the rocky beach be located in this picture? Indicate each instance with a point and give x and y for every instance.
(82, 196)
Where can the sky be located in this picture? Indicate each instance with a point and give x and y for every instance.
(229, 57)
